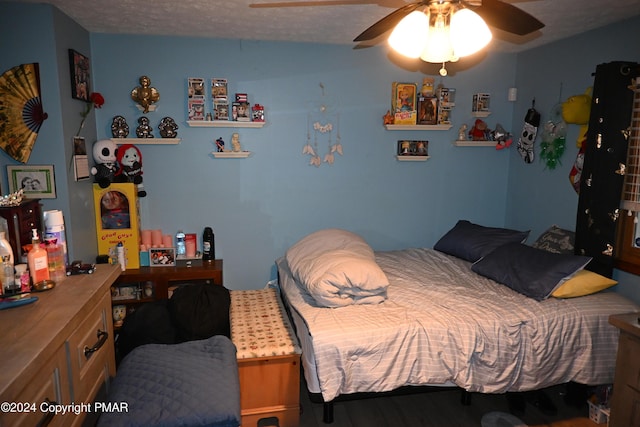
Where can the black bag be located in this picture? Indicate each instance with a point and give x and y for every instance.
(150, 324)
(200, 311)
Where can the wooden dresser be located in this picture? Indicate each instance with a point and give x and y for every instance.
(58, 349)
(625, 403)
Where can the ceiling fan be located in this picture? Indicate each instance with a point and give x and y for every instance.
(496, 13)
(383, 3)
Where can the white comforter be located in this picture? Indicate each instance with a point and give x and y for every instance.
(443, 323)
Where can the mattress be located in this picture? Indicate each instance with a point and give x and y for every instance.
(194, 383)
(444, 324)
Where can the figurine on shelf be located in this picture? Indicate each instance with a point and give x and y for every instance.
(479, 131)
(119, 127)
(220, 144)
(388, 118)
(462, 133)
(144, 129)
(145, 95)
(119, 313)
(235, 143)
(168, 128)
(502, 137)
(421, 148)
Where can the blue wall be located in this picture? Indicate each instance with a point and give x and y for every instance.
(261, 205)
(38, 33)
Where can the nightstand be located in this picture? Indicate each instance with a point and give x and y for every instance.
(625, 403)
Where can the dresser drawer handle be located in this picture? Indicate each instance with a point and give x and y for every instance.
(102, 338)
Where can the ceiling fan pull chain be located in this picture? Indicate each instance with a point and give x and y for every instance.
(443, 70)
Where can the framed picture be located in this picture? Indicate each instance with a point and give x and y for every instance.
(427, 110)
(37, 181)
(80, 75)
(162, 257)
(413, 148)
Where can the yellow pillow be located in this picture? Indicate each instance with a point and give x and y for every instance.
(584, 282)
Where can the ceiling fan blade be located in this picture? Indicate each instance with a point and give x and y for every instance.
(387, 23)
(310, 3)
(504, 16)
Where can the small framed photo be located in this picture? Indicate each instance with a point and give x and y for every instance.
(162, 257)
(80, 75)
(37, 181)
(413, 148)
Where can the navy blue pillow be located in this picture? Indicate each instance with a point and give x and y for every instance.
(533, 272)
(471, 241)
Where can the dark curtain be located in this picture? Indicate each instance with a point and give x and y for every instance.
(605, 155)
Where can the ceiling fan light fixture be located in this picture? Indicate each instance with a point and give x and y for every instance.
(411, 35)
(469, 33)
(438, 48)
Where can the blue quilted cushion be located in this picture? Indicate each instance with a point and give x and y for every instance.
(194, 383)
(533, 272)
(471, 241)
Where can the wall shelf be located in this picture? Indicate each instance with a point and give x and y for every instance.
(147, 141)
(480, 114)
(402, 158)
(418, 127)
(223, 124)
(231, 154)
(470, 143)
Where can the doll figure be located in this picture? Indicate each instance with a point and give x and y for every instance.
(220, 144)
(119, 313)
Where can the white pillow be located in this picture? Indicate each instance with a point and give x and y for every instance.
(338, 268)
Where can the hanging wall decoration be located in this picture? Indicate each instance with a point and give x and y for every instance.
(145, 95)
(323, 118)
(21, 113)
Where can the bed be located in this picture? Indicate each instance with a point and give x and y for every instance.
(437, 321)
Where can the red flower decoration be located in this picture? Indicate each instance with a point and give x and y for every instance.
(95, 100)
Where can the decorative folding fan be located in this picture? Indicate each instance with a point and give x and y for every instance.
(21, 112)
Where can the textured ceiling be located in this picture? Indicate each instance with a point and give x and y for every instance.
(333, 24)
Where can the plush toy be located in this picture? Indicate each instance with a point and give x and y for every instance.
(104, 156)
(576, 110)
(479, 131)
(130, 166)
(502, 138)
